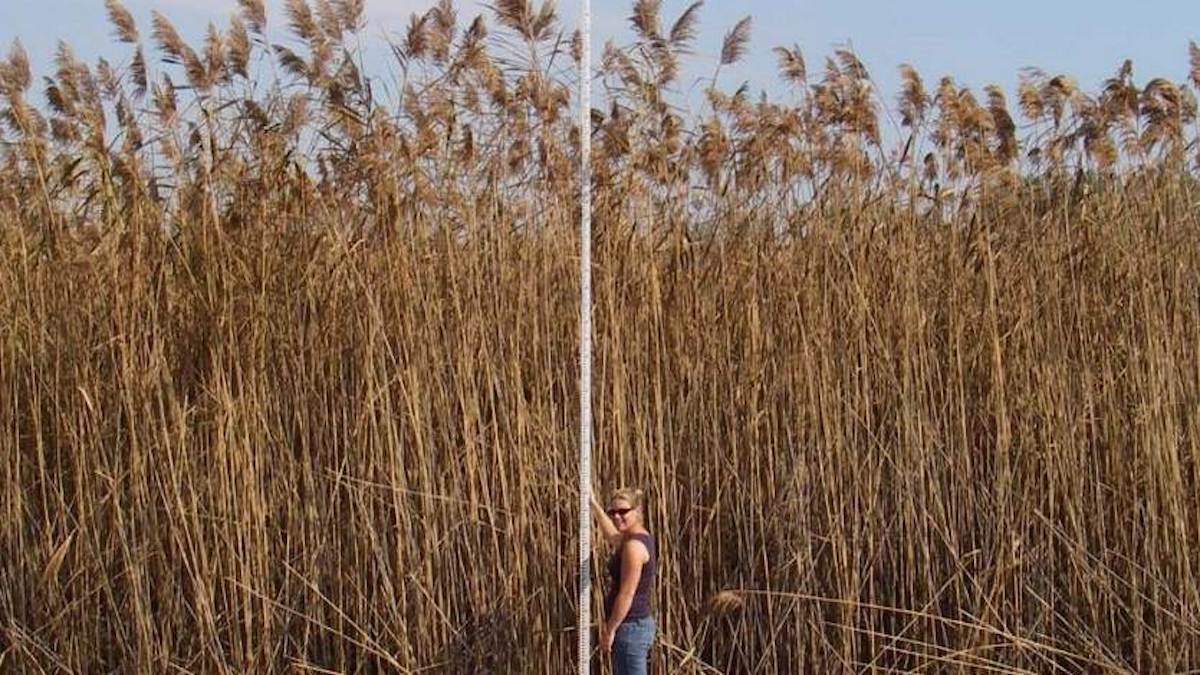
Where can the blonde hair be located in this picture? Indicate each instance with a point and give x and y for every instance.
(635, 496)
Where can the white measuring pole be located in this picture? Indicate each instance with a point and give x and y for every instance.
(585, 337)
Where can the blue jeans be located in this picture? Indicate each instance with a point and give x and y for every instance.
(631, 646)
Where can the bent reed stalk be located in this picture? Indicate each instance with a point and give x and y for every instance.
(287, 366)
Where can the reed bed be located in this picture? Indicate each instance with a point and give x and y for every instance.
(289, 380)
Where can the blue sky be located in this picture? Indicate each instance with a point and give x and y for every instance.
(978, 42)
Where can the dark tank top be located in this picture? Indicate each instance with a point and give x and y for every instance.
(645, 588)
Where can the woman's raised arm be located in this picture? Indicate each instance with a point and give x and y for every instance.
(607, 528)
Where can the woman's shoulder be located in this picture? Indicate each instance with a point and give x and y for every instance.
(640, 540)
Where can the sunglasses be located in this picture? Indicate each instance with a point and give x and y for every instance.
(617, 512)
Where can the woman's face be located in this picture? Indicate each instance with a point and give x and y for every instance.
(623, 515)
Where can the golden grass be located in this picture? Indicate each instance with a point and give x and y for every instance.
(287, 375)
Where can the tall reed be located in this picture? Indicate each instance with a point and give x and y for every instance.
(288, 379)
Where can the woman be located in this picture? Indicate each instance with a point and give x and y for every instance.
(629, 626)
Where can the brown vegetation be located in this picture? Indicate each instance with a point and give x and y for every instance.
(287, 366)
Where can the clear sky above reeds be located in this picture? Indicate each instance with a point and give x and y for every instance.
(975, 41)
